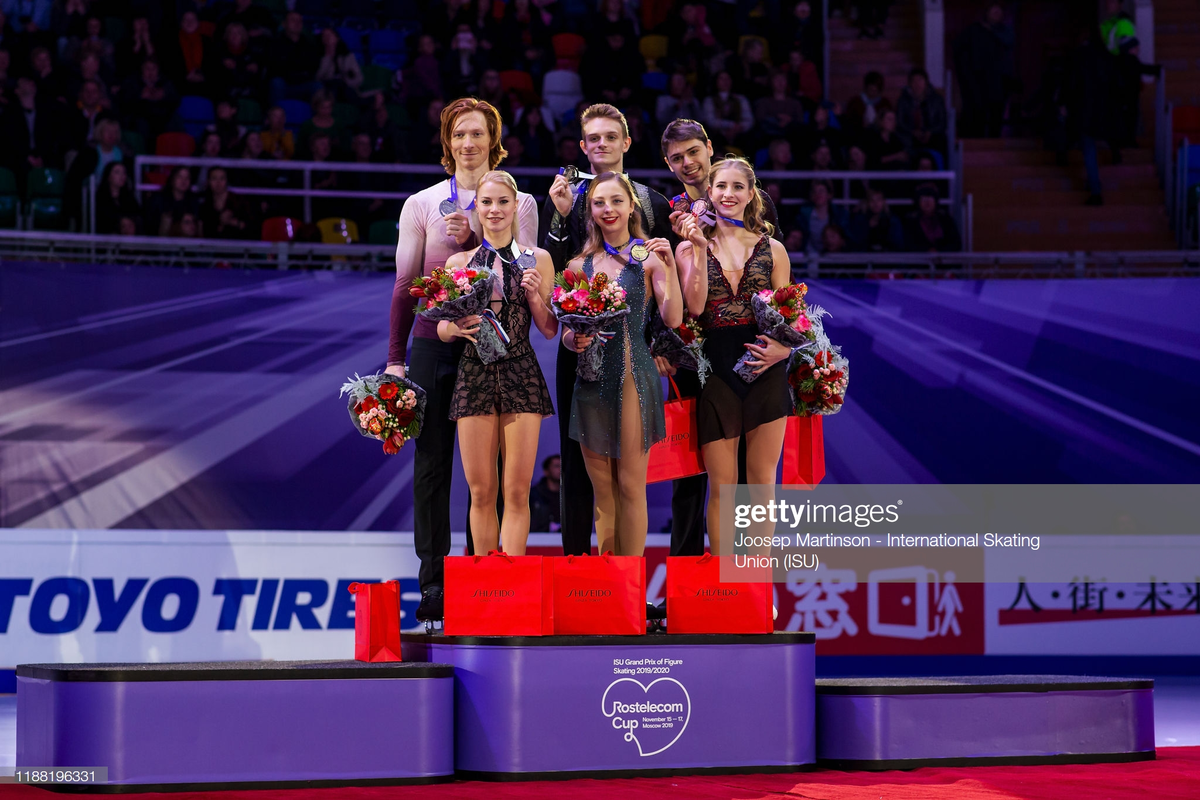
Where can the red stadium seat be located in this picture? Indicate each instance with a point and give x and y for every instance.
(568, 50)
(280, 229)
(174, 144)
(522, 82)
(1185, 124)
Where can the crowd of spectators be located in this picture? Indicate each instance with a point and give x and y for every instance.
(87, 84)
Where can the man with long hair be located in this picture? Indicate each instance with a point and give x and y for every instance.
(436, 223)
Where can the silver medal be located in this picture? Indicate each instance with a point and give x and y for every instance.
(571, 173)
(527, 260)
(448, 207)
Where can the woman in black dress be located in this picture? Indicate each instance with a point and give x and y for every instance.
(722, 266)
(499, 406)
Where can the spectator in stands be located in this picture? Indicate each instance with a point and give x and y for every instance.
(612, 69)
(320, 147)
(387, 144)
(365, 210)
(1091, 114)
(51, 84)
(523, 28)
(227, 126)
(821, 159)
(856, 161)
(294, 58)
(114, 199)
(255, 20)
(779, 156)
(425, 138)
(223, 214)
(167, 206)
(88, 70)
(323, 121)
(727, 116)
(277, 140)
(32, 128)
(188, 61)
(463, 65)
(793, 241)
(864, 111)
(137, 46)
(751, 72)
(339, 70)
(691, 41)
(804, 81)
(95, 43)
(678, 103)
(568, 153)
(536, 138)
(929, 229)
(921, 114)
(833, 240)
(873, 228)
(644, 151)
(492, 91)
(238, 70)
(885, 150)
(7, 84)
(818, 213)
(210, 148)
(68, 22)
(1117, 28)
(801, 30)
(443, 19)
(983, 66)
(423, 78)
(822, 132)
(872, 14)
(1128, 70)
(780, 115)
(91, 104)
(91, 160)
(186, 226)
(544, 498)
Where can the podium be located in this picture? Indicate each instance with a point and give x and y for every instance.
(610, 706)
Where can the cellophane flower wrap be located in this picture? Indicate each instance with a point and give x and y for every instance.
(682, 346)
(818, 378)
(453, 294)
(588, 307)
(783, 316)
(386, 407)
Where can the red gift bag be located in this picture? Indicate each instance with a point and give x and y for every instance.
(376, 621)
(804, 451)
(678, 455)
(599, 595)
(698, 601)
(497, 595)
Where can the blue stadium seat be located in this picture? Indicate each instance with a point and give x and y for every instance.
(195, 109)
(352, 38)
(655, 81)
(319, 22)
(391, 61)
(1193, 160)
(298, 112)
(386, 41)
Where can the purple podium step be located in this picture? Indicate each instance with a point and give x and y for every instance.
(903, 723)
(252, 724)
(606, 706)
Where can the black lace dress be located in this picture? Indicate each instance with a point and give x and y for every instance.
(514, 384)
(728, 406)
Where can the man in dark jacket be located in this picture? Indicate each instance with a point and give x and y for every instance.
(921, 114)
(1090, 106)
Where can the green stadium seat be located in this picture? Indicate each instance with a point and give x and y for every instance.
(46, 213)
(346, 114)
(384, 231)
(134, 142)
(249, 112)
(44, 182)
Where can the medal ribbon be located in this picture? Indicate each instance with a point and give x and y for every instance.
(490, 317)
(454, 196)
(731, 221)
(612, 251)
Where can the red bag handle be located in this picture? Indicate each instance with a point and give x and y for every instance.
(355, 587)
(500, 553)
(604, 555)
(704, 559)
(674, 388)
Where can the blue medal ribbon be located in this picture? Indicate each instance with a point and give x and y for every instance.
(732, 221)
(612, 251)
(454, 197)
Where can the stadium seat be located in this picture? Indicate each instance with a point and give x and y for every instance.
(174, 144)
(561, 91)
(280, 229)
(515, 79)
(384, 231)
(346, 114)
(46, 214)
(653, 46)
(390, 61)
(1193, 164)
(44, 182)
(318, 22)
(10, 201)
(336, 230)
(376, 78)
(156, 178)
(655, 81)
(196, 109)
(1185, 124)
(410, 27)
(298, 112)
(568, 50)
(361, 24)
(386, 41)
(134, 142)
(249, 112)
(353, 39)
(400, 10)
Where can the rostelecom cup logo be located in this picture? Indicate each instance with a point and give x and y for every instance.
(652, 716)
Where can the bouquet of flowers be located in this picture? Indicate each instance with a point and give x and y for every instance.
(454, 294)
(818, 380)
(386, 407)
(682, 346)
(782, 315)
(587, 307)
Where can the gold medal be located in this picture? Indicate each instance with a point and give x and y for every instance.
(639, 252)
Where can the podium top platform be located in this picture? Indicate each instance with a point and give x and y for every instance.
(233, 671)
(650, 639)
(976, 684)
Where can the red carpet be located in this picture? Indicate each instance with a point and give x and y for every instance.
(1175, 774)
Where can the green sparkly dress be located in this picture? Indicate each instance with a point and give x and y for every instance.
(596, 405)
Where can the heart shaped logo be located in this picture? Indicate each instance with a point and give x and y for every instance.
(650, 715)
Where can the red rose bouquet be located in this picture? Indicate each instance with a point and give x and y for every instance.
(586, 306)
(386, 407)
(783, 316)
(454, 294)
(818, 380)
(682, 346)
